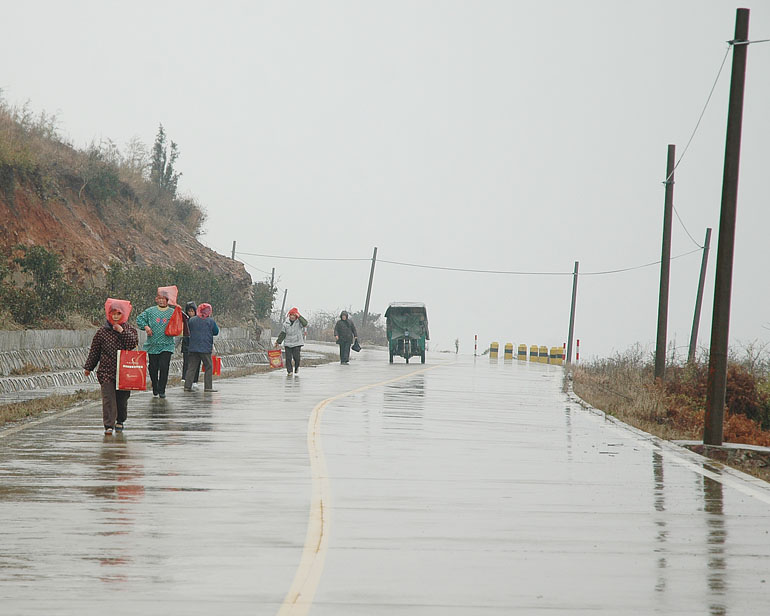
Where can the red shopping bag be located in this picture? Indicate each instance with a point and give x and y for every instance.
(216, 363)
(175, 325)
(275, 357)
(131, 373)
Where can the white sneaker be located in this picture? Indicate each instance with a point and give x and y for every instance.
(194, 386)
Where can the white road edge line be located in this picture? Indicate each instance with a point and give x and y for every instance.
(729, 477)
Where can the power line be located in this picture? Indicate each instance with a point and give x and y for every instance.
(275, 286)
(702, 113)
(692, 136)
(475, 270)
(254, 254)
(636, 267)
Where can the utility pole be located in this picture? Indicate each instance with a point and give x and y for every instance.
(233, 255)
(665, 267)
(699, 298)
(283, 305)
(716, 390)
(572, 312)
(369, 291)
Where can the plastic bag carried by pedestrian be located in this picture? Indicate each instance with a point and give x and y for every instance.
(275, 357)
(216, 365)
(175, 325)
(356, 347)
(131, 373)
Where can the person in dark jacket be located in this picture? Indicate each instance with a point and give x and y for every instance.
(189, 312)
(116, 334)
(202, 331)
(345, 334)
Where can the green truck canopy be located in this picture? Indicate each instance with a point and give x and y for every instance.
(407, 316)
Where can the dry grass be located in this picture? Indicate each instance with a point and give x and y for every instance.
(29, 369)
(31, 409)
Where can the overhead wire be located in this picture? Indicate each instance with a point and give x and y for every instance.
(254, 254)
(692, 136)
(471, 270)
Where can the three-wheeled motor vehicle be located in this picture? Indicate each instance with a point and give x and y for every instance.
(407, 329)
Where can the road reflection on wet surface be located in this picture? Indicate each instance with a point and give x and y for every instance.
(465, 487)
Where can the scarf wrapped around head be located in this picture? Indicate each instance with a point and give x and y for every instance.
(117, 304)
(204, 311)
(170, 293)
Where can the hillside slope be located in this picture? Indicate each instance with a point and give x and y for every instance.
(56, 213)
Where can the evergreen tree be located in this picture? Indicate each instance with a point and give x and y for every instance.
(162, 172)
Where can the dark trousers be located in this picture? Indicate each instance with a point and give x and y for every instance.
(292, 354)
(114, 404)
(193, 368)
(344, 351)
(158, 364)
(185, 363)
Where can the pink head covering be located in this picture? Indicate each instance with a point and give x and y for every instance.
(204, 311)
(169, 293)
(117, 304)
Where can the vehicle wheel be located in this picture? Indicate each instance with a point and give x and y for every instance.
(422, 357)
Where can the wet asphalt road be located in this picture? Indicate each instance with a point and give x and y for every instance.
(457, 487)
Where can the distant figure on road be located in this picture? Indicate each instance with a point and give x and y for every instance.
(159, 346)
(293, 338)
(202, 331)
(116, 334)
(189, 312)
(345, 334)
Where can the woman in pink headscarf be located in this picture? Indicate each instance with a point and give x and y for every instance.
(116, 334)
(202, 331)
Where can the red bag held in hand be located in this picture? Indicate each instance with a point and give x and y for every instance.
(131, 373)
(275, 357)
(216, 365)
(175, 325)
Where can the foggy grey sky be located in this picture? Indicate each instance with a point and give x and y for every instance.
(506, 135)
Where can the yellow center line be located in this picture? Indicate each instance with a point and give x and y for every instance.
(299, 599)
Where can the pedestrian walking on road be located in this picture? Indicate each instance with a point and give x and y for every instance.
(190, 310)
(203, 328)
(345, 334)
(159, 346)
(116, 334)
(293, 337)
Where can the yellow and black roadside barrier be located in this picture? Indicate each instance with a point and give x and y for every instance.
(508, 353)
(533, 353)
(521, 355)
(556, 356)
(493, 348)
(543, 355)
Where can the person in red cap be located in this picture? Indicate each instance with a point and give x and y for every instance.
(114, 335)
(293, 337)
